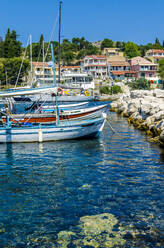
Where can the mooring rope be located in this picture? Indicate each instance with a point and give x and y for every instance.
(114, 131)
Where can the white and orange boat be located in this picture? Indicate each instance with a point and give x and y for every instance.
(74, 114)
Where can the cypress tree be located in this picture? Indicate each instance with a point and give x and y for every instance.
(157, 44)
(41, 46)
(6, 44)
(12, 47)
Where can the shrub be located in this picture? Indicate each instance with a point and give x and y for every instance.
(115, 89)
(140, 84)
(105, 90)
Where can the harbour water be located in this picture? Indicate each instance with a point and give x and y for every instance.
(106, 192)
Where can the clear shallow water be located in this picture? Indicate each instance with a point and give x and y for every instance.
(46, 188)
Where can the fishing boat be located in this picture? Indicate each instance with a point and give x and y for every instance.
(50, 116)
(41, 133)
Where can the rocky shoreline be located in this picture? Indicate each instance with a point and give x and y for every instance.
(145, 110)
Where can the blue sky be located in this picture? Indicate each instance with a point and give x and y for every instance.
(140, 21)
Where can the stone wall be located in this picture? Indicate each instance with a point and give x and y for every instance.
(145, 110)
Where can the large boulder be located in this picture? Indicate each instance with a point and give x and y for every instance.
(159, 116)
(158, 93)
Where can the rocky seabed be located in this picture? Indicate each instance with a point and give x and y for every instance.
(145, 110)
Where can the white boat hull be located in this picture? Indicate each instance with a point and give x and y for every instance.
(51, 132)
(49, 98)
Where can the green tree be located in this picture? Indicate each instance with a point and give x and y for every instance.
(131, 50)
(1, 49)
(67, 57)
(11, 67)
(6, 44)
(2, 72)
(11, 47)
(157, 43)
(41, 48)
(161, 69)
(81, 54)
(107, 43)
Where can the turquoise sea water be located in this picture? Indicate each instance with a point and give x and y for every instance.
(55, 194)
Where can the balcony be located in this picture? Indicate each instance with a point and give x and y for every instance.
(148, 68)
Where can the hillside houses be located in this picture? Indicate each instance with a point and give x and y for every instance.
(115, 66)
(119, 70)
(144, 68)
(96, 66)
(155, 54)
(111, 65)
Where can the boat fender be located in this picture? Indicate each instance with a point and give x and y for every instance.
(86, 93)
(60, 91)
(40, 135)
(66, 92)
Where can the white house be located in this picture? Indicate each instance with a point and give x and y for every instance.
(96, 66)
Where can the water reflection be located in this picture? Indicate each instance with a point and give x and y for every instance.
(9, 154)
(40, 147)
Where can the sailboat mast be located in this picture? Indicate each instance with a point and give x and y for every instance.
(59, 48)
(43, 64)
(31, 58)
(55, 84)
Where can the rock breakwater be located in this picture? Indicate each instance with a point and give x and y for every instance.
(145, 110)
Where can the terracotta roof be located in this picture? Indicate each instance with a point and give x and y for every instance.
(119, 63)
(140, 61)
(96, 56)
(40, 64)
(155, 51)
(73, 66)
(122, 72)
(118, 72)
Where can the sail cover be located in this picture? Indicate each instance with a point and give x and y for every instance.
(32, 91)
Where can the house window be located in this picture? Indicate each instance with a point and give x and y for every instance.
(150, 75)
(142, 74)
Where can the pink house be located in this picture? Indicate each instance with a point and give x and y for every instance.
(144, 68)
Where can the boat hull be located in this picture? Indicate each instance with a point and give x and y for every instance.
(51, 133)
(49, 98)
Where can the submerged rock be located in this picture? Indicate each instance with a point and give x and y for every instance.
(96, 224)
(93, 231)
(85, 187)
